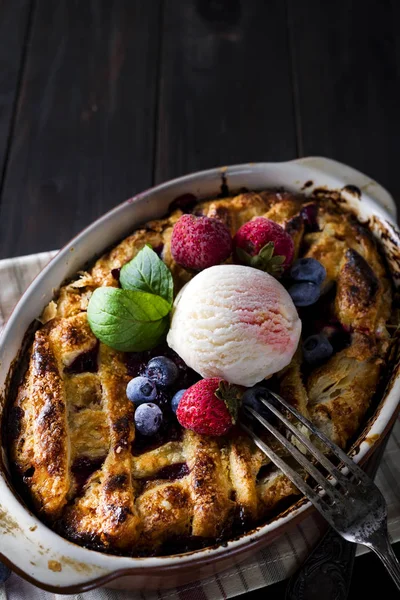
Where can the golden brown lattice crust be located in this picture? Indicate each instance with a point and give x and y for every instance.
(69, 421)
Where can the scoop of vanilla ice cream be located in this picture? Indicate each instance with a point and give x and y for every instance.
(234, 322)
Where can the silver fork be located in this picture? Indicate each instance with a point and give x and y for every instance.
(347, 498)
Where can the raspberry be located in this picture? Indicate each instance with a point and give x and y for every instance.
(200, 242)
(265, 245)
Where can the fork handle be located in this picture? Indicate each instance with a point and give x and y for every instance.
(328, 568)
(384, 550)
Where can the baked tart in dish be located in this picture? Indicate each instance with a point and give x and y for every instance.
(130, 442)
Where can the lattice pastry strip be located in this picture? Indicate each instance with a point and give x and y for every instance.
(111, 518)
(50, 479)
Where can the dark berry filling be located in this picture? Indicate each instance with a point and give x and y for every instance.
(28, 473)
(309, 213)
(83, 468)
(116, 273)
(172, 472)
(158, 249)
(185, 203)
(136, 363)
(170, 431)
(265, 471)
(86, 362)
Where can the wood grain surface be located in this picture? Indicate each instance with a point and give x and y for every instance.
(14, 34)
(225, 85)
(84, 129)
(346, 70)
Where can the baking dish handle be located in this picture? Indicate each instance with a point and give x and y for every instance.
(369, 188)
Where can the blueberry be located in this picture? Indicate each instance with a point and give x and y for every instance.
(308, 269)
(148, 418)
(304, 293)
(4, 573)
(141, 389)
(162, 370)
(251, 397)
(316, 349)
(176, 399)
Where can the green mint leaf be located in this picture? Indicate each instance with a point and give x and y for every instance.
(148, 273)
(126, 320)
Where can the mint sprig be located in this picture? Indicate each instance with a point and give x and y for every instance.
(134, 318)
(148, 273)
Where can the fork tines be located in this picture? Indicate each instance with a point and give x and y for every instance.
(332, 492)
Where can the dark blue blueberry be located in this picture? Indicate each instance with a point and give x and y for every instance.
(4, 573)
(251, 397)
(304, 293)
(148, 418)
(141, 389)
(176, 399)
(162, 370)
(316, 349)
(308, 269)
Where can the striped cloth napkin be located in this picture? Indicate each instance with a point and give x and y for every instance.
(276, 562)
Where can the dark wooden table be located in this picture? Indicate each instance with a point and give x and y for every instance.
(100, 99)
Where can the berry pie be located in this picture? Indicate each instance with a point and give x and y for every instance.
(124, 433)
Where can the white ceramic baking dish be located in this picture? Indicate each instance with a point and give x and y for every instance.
(51, 562)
